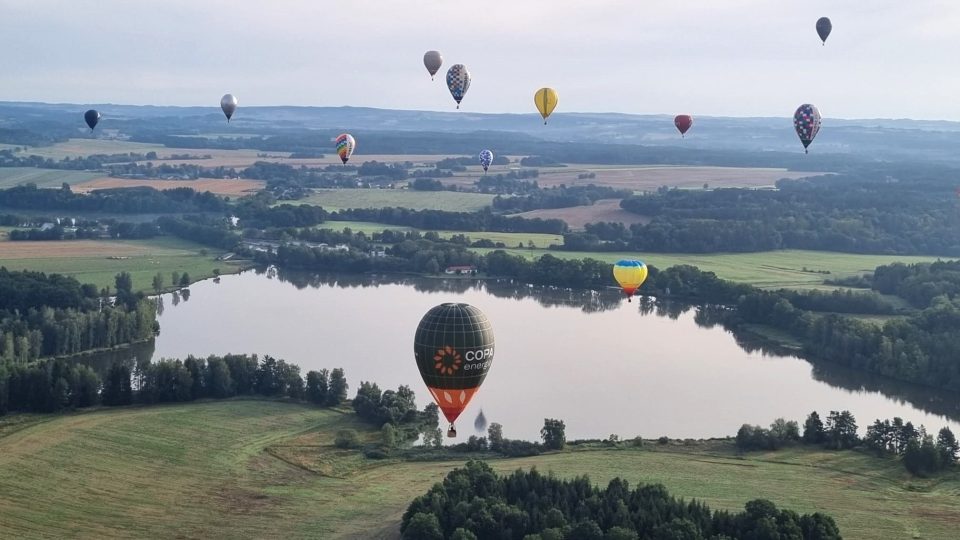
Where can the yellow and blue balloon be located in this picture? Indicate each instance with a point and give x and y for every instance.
(630, 274)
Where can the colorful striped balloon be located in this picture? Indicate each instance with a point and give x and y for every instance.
(345, 145)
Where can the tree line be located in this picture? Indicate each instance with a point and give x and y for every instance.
(474, 502)
(43, 316)
(121, 200)
(918, 451)
(56, 385)
(558, 197)
(871, 211)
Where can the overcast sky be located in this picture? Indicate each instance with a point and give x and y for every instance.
(885, 58)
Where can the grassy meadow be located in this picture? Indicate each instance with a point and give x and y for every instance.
(765, 269)
(98, 261)
(451, 201)
(248, 468)
(509, 239)
(44, 178)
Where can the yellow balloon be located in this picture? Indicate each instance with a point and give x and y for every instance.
(630, 274)
(546, 100)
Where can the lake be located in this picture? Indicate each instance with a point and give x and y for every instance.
(602, 365)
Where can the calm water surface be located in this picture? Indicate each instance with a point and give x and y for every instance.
(600, 364)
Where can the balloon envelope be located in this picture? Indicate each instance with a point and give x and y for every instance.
(480, 424)
(824, 26)
(229, 105)
(453, 347)
(458, 81)
(432, 60)
(486, 158)
(683, 122)
(91, 117)
(630, 274)
(546, 100)
(807, 123)
(345, 144)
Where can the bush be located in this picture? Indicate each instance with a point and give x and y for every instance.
(347, 438)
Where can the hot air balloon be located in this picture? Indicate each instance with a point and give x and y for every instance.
(824, 26)
(486, 158)
(91, 117)
(229, 105)
(630, 274)
(453, 347)
(807, 123)
(683, 123)
(480, 424)
(546, 101)
(458, 81)
(432, 60)
(345, 144)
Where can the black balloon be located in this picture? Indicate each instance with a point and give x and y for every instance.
(824, 26)
(91, 117)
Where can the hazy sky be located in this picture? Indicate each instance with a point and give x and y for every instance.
(885, 58)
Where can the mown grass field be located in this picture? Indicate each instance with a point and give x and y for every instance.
(45, 178)
(766, 269)
(87, 146)
(259, 469)
(452, 201)
(89, 260)
(508, 239)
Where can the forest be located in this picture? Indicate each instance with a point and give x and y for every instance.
(474, 502)
(891, 209)
(43, 316)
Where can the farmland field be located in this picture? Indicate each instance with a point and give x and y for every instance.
(649, 178)
(766, 269)
(84, 147)
(452, 201)
(45, 178)
(578, 216)
(232, 188)
(90, 260)
(247, 468)
(508, 239)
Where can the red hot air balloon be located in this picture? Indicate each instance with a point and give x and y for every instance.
(453, 347)
(683, 123)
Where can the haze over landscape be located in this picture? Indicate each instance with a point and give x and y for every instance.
(672, 270)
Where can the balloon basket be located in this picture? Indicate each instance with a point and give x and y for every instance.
(452, 432)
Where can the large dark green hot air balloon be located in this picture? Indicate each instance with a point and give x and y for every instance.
(91, 117)
(454, 350)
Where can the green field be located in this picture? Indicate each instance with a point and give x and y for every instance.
(452, 201)
(89, 260)
(765, 269)
(85, 147)
(258, 469)
(45, 178)
(508, 239)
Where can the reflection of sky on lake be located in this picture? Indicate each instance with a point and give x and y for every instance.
(602, 372)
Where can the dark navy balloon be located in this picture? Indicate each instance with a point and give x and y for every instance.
(824, 26)
(91, 117)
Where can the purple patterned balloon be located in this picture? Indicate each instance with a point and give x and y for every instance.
(807, 123)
